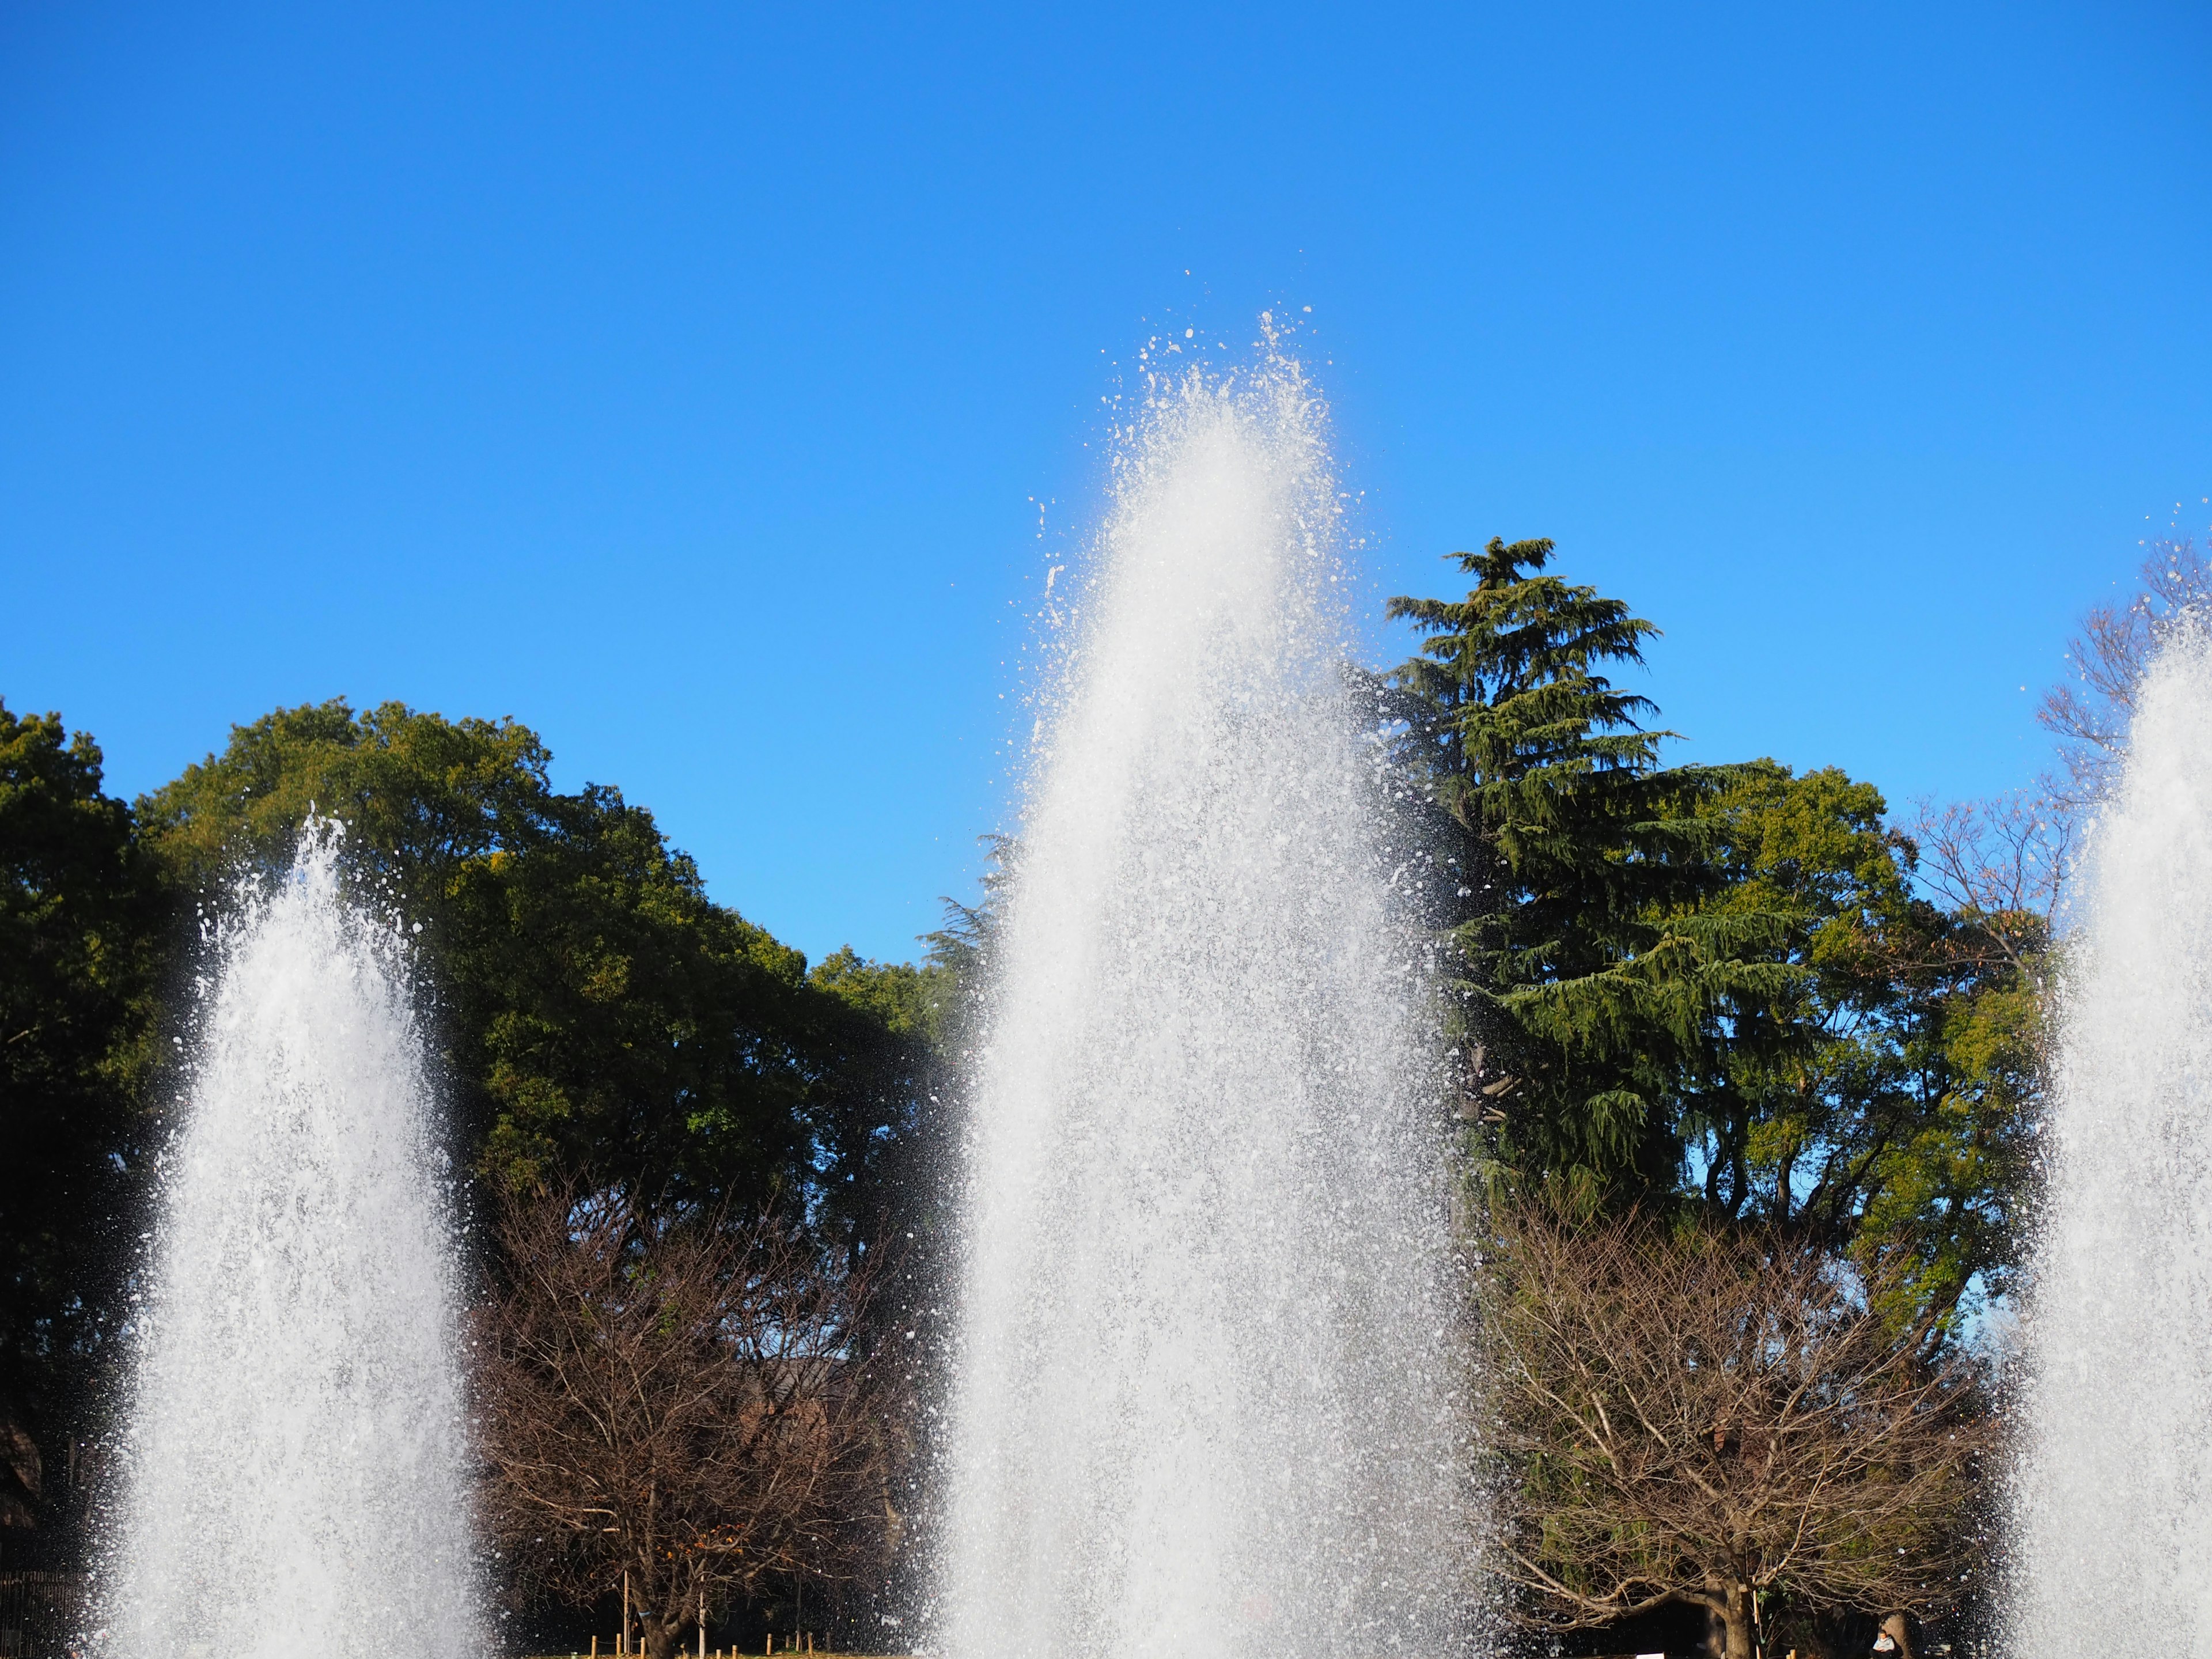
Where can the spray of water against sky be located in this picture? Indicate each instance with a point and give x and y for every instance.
(295, 1459)
(1201, 1400)
(2113, 1501)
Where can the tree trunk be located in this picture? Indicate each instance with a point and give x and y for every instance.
(1897, 1627)
(1742, 1632)
(660, 1636)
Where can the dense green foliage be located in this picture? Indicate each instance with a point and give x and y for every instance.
(1882, 1102)
(594, 1008)
(1712, 984)
(80, 916)
(1704, 1004)
(1593, 976)
(598, 1009)
(593, 1003)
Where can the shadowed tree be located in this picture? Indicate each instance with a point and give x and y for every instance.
(1711, 985)
(688, 1403)
(1703, 1416)
(82, 923)
(596, 1008)
(1881, 1098)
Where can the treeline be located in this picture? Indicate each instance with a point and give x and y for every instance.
(593, 1009)
(1750, 1074)
(1705, 1026)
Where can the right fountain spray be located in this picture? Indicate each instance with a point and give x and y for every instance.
(2112, 1534)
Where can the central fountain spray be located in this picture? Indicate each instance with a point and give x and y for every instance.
(2113, 1499)
(295, 1469)
(1201, 1398)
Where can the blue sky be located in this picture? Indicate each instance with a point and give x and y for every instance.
(683, 380)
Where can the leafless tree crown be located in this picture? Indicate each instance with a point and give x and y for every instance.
(2088, 714)
(685, 1400)
(2003, 863)
(1695, 1416)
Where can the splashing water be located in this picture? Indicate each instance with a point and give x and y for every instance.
(2113, 1499)
(1201, 1398)
(295, 1459)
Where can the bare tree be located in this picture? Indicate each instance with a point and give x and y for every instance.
(2089, 714)
(682, 1400)
(1693, 1416)
(2000, 866)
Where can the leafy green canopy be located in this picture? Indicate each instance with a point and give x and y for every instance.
(1707, 984)
(597, 1009)
(80, 916)
(1884, 1101)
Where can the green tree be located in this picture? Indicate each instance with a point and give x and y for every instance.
(876, 1115)
(596, 1008)
(1878, 1099)
(1785, 1133)
(1592, 979)
(421, 797)
(81, 919)
(1717, 985)
(1721, 1003)
(1961, 1182)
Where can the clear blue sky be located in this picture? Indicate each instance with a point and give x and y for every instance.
(677, 379)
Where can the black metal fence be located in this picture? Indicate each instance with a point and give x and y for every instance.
(38, 1613)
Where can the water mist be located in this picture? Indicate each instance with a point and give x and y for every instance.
(294, 1465)
(1202, 1396)
(2113, 1498)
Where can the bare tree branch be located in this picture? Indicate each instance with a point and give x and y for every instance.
(2089, 714)
(685, 1400)
(2001, 865)
(1754, 1423)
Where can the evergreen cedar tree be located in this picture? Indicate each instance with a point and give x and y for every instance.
(1576, 863)
(1711, 985)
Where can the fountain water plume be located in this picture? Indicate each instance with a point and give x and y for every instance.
(2112, 1506)
(1203, 1372)
(294, 1460)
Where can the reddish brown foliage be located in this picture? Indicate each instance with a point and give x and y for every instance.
(685, 1400)
(1698, 1417)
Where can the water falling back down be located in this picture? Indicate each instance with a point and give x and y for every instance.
(294, 1456)
(1202, 1396)
(2112, 1523)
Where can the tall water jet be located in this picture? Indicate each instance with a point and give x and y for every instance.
(1201, 1395)
(294, 1462)
(2112, 1536)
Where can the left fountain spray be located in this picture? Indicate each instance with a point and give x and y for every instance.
(295, 1482)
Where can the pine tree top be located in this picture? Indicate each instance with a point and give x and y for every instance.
(1519, 635)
